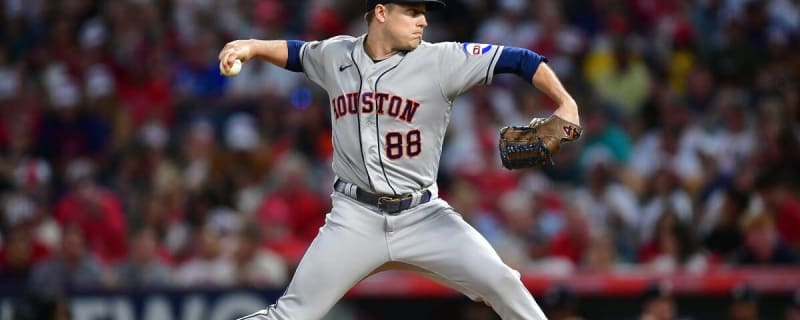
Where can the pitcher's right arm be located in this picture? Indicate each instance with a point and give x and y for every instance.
(282, 53)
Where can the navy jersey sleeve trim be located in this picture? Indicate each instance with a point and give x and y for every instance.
(519, 61)
(293, 62)
(487, 79)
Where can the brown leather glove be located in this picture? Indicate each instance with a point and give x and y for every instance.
(535, 145)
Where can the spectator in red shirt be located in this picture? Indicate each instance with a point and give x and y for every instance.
(305, 208)
(97, 211)
(573, 238)
(778, 199)
(274, 220)
(144, 88)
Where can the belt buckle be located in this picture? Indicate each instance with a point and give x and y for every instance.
(393, 205)
(390, 205)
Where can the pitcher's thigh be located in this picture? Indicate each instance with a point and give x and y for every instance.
(337, 259)
(452, 249)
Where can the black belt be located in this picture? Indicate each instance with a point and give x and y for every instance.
(390, 204)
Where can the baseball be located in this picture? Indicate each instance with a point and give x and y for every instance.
(234, 70)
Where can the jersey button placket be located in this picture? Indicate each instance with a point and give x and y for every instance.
(369, 120)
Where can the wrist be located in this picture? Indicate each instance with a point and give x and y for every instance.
(253, 49)
(568, 104)
(568, 111)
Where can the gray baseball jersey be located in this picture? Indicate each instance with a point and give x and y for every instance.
(389, 120)
(389, 117)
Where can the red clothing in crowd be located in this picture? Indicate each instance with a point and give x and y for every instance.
(36, 253)
(99, 215)
(564, 245)
(649, 251)
(145, 100)
(306, 211)
(279, 221)
(787, 222)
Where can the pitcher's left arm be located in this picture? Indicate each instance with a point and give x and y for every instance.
(533, 67)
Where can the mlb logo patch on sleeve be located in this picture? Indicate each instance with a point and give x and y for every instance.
(476, 49)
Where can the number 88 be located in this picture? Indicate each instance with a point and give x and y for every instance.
(395, 144)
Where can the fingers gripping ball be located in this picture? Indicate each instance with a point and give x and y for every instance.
(235, 68)
(535, 145)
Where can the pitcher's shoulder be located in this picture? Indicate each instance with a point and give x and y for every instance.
(424, 45)
(449, 46)
(344, 39)
(339, 42)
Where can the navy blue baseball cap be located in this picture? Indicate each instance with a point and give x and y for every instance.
(431, 4)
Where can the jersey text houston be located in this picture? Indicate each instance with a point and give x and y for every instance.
(381, 103)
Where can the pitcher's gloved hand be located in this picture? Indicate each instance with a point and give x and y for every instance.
(535, 145)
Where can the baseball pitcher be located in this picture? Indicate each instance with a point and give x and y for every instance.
(390, 98)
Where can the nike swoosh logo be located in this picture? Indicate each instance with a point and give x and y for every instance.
(343, 67)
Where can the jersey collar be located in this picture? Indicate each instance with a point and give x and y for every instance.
(364, 60)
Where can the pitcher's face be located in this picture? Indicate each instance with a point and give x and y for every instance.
(405, 24)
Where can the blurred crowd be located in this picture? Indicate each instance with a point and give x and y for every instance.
(126, 160)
